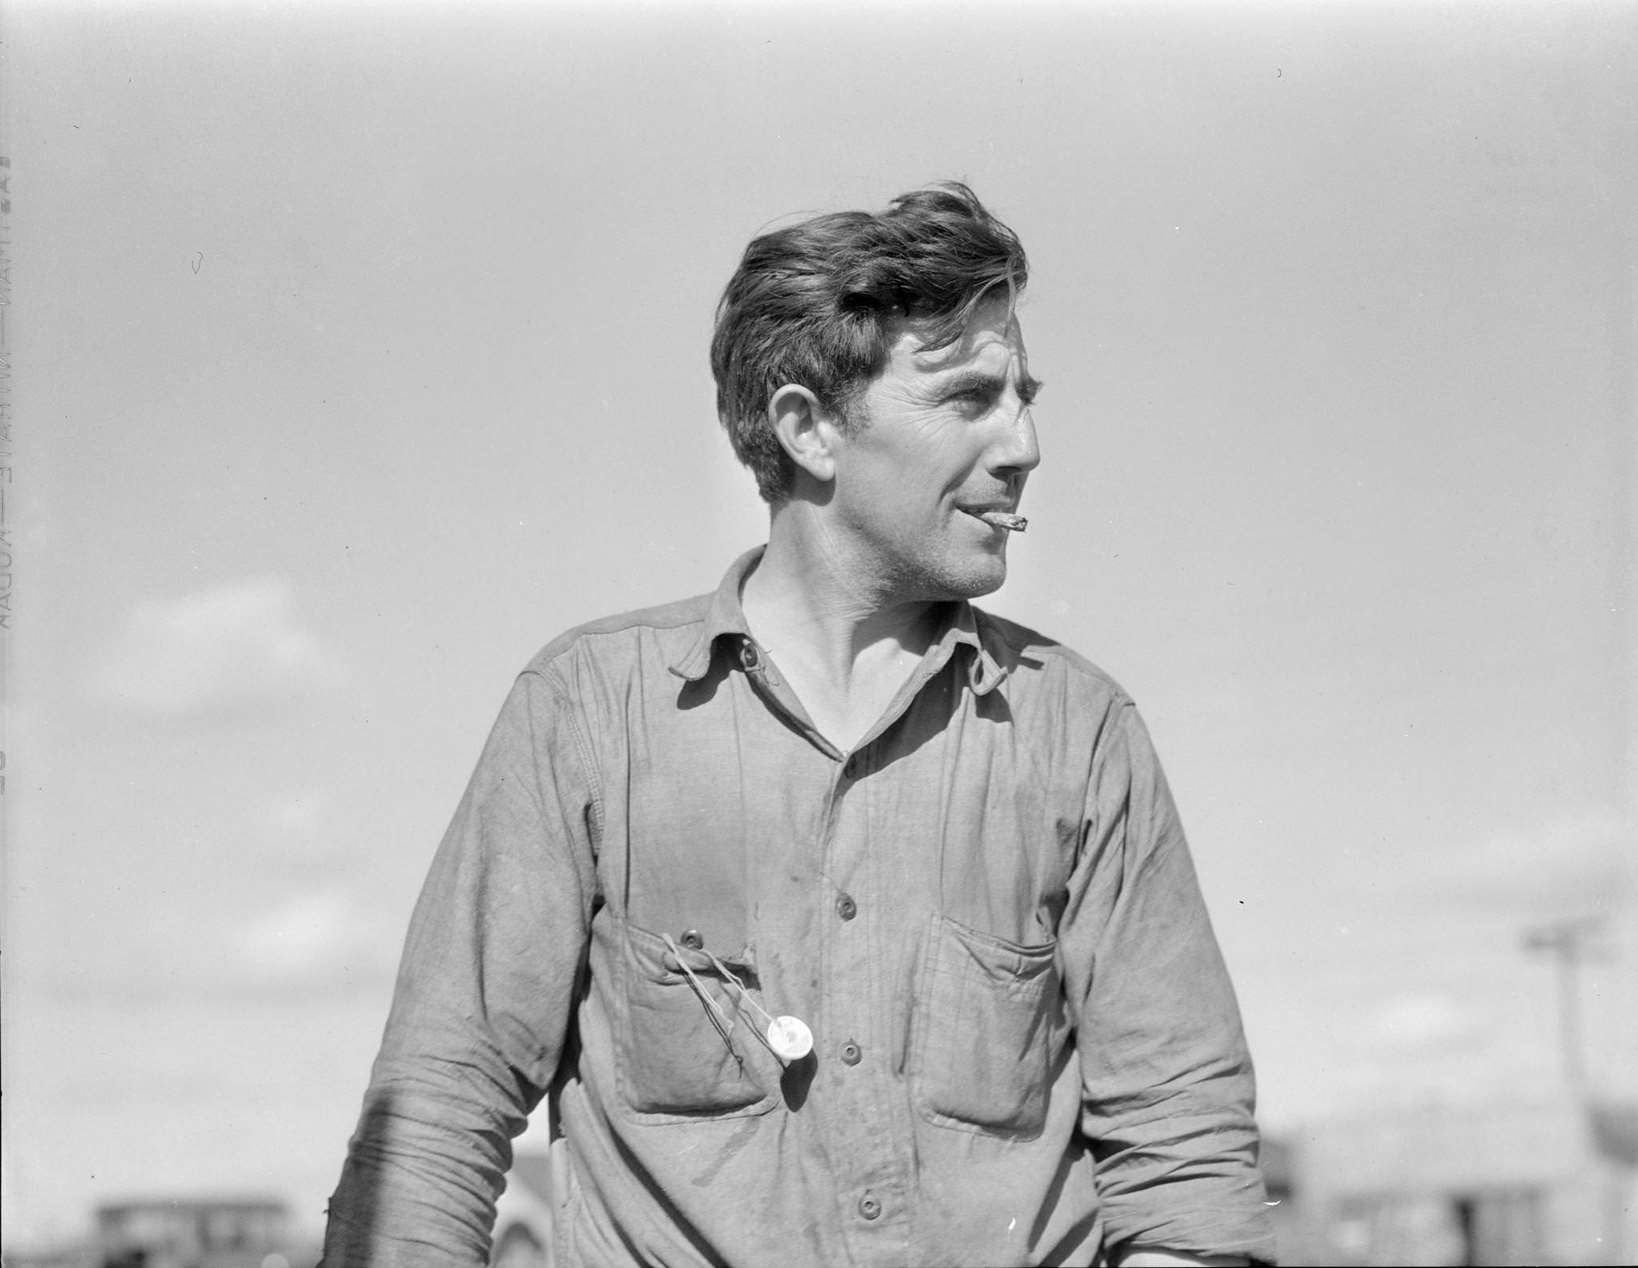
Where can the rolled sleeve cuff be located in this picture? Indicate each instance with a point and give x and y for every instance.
(1225, 1217)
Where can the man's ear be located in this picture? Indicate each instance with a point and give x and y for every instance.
(806, 432)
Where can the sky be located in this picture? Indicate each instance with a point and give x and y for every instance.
(358, 350)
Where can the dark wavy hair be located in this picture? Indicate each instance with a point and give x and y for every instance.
(819, 303)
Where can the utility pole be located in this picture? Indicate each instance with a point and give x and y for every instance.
(1567, 942)
(1570, 943)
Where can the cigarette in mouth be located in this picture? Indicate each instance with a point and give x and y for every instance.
(1003, 519)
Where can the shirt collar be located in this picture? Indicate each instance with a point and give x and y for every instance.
(724, 617)
(984, 670)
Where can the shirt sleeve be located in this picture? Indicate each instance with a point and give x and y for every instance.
(1168, 1092)
(481, 1010)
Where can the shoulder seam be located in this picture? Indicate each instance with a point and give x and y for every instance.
(1019, 637)
(549, 675)
(682, 613)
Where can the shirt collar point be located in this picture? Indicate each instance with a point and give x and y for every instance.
(723, 617)
(985, 674)
(691, 668)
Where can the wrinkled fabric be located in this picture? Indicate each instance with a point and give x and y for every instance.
(1026, 1048)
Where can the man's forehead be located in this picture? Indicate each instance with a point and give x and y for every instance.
(991, 339)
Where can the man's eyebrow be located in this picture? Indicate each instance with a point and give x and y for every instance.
(969, 380)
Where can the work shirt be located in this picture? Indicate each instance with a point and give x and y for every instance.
(1025, 1048)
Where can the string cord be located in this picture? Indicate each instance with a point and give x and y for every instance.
(732, 979)
(720, 1020)
(719, 1017)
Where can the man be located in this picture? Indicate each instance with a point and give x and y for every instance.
(842, 921)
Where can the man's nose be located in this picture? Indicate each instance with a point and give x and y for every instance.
(1019, 450)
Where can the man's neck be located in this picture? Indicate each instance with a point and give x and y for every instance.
(840, 638)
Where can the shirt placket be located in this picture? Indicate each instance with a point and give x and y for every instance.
(867, 1124)
(866, 1128)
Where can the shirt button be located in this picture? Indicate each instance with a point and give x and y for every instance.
(851, 1053)
(869, 1207)
(846, 908)
(692, 940)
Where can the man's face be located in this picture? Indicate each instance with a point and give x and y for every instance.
(941, 436)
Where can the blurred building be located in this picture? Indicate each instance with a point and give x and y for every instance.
(525, 1215)
(195, 1231)
(73, 1254)
(1545, 1182)
(204, 1232)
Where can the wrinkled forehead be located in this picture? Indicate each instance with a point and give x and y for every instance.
(992, 338)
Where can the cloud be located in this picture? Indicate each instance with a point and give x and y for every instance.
(320, 933)
(1574, 863)
(300, 827)
(1418, 1022)
(300, 815)
(233, 649)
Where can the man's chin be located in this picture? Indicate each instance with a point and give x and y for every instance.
(975, 583)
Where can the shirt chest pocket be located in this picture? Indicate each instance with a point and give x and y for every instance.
(989, 1023)
(679, 1058)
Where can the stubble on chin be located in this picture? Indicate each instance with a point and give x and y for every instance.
(955, 581)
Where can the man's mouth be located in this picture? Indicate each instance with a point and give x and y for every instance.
(1000, 519)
